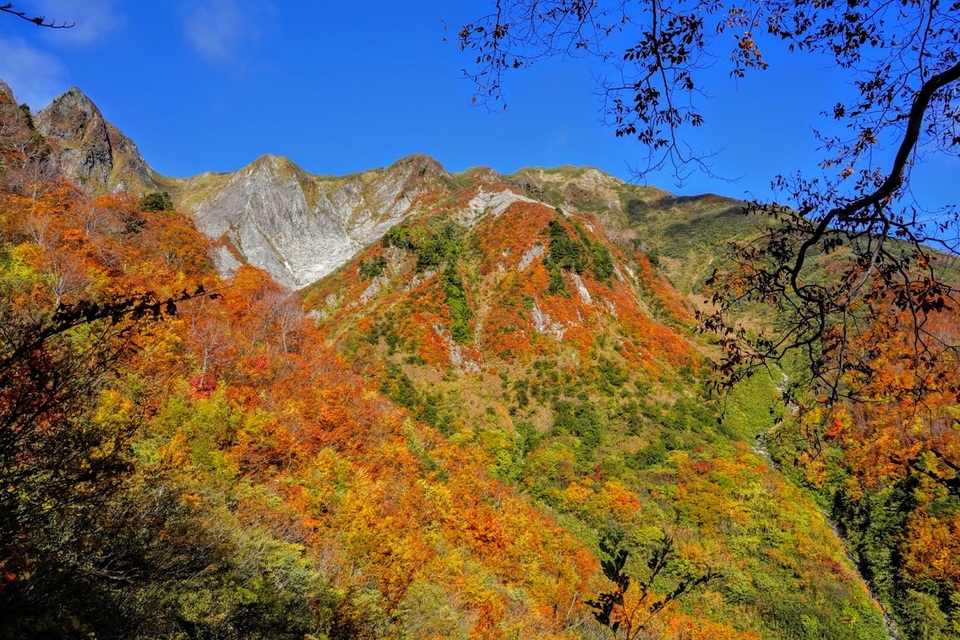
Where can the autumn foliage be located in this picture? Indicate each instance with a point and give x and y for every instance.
(436, 451)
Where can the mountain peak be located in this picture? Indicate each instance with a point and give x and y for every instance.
(423, 162)
(6, 91)
(76, 94)
(70, 116)
(484, 175)
(91, 150)
(272, 162)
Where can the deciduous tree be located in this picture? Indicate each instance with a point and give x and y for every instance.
(901, 57)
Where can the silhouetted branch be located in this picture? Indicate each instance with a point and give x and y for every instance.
(66, 317)
(40, 21)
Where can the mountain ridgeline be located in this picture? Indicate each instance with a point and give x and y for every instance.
(299, 227)
(419, 405)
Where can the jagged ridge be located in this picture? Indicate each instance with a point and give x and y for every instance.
(298, 226)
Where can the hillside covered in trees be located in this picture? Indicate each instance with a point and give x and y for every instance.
(464, 431)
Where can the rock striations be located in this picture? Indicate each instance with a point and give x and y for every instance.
(90, 149)
(297, 226)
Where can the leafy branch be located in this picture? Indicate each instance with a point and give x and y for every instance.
(631, 616)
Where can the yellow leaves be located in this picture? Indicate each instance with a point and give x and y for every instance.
(932, 548)
(192, 498)
(176, 452)
(617, 499)
(113, 409)
(839, 422)
(439, 500)
(814, 470)
(575, 496)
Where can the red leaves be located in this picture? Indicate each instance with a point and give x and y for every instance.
(203, 385)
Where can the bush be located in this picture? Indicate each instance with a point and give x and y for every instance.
(156, 202)
(579, 419)
(457, 304)
(370, 268)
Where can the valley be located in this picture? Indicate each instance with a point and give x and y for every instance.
(417, 404)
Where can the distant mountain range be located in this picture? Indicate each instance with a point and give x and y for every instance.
(298, 226)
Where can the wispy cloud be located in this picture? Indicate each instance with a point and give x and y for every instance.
(36, 77)
(219, 29)
(94, 20)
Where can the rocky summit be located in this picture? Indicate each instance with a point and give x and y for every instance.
(297, 226)
(91, 150)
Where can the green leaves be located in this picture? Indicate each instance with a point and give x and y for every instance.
(577, 256)
(457, 304)
(370, 268)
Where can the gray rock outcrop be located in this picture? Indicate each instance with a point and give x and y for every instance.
(89, 149)
(300, 227)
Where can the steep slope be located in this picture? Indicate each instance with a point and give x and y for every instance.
(300, 227)
(537, 328)
(206, 467)
(297, 226)
(684, 237)
(271, 214)
(90, 150)
(542, 339)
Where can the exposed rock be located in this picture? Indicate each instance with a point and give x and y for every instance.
(582, 289)
(575, 187)
(297, 226)
(375, 286)
(543, 323)
(300, 227)
(90, 150)
(529, 256)
(225, 261)
(489, 203)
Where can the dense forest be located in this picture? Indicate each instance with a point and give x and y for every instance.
(492, 423)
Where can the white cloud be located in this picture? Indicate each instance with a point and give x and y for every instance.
(218, 29)
(94, 20)
(34, 76)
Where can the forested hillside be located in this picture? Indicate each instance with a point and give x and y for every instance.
(465, 431)
(573, 368)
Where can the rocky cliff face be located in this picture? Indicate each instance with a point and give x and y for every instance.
(297, 226)
(271, 214)
(91, 150)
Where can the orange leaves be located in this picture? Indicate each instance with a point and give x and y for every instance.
(701, 628)
(671, 300)
(506, 239)
(932, 547)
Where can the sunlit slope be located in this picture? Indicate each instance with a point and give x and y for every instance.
(544, 340)
(499, 378)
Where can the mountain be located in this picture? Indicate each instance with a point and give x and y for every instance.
(95, 153)
(472, 399)
(297, 226)
(300, 227)
(523, 319)
(272, 214)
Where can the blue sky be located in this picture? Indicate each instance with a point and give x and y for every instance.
(210, 85)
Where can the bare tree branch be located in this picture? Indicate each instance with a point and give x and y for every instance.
(40, 21)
